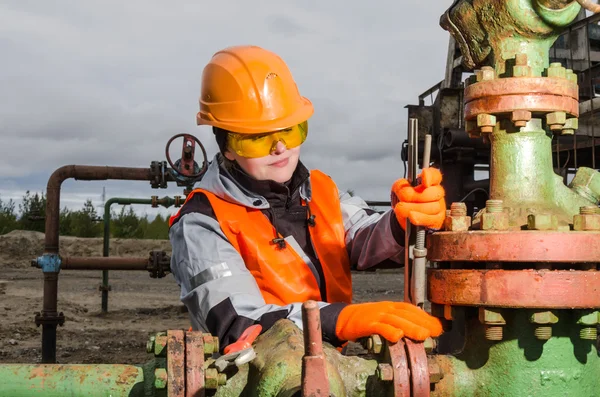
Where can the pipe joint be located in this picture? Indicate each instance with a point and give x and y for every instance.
(49, 263)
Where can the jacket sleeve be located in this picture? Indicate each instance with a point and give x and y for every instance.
(371, 237)
(220, 293)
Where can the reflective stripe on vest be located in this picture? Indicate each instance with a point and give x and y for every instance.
(281, 274)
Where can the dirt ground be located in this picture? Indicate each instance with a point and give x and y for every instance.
(138, 306)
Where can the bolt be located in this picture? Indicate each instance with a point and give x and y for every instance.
(211, 344)
(160, 344)
(374, 344)
(493, 332)
(494, 323)
(521, 69)
(588, 210)
(385, 372)
(160, 378)
(556, 120)
(543, 332)
(494, 206)
(556, 70)
(458, 209)
(588, 219)
(435, 372)
(150, 344)
(570, 126)
(542, 222)
(588, 333)
(429, 344)
(520, 117)
(486, 122)
(572, 77)
(521, 59)
(488, 73)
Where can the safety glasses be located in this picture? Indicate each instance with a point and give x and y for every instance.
(260, 145)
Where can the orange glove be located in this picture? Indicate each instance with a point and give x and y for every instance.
(391, 320)
(424, 205)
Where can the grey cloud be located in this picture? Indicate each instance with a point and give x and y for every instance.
(108, 83)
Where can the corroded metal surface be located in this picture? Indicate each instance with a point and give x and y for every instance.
(515, 288)
(314, 373)
(399, 362)
(534, 94)
(194, 364)
(176, 363)
(533, 102)
(24, 380)
(522, 86)
(514, 246)
(419, 369)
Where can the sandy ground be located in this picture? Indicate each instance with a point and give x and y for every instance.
(138, 305)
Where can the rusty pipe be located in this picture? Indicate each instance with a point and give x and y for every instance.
(104, 263)
(77, 172)
(314, 373)
(589, 5)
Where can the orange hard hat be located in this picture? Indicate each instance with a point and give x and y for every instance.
(249, 90)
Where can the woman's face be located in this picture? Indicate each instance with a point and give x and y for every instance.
(277, 166)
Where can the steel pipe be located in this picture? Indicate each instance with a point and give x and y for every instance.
(103, 263)
(77, 172)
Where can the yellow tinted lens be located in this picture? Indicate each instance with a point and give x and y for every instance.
(263, 144)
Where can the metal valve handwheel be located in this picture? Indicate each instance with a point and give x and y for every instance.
(186, 166)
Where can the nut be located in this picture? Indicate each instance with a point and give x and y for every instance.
(211, 344)
(586, 222)
(494, 221)
(521, 71)
(374, 344)
(520, 117)
(486, 122)
(572, 77)
(588, 317)
(457, 223)
(542, 222)
(570, 126)
(542, 318)
(150, 344)
(521, 59)
(160, 344)
(212, 380)
(488, 73)
(385, 372)
(429, 344)
(556, 120)
(556, 70)
(435, 372)
(491, 317)
(160, 378)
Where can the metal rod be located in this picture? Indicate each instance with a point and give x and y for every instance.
(78, 172)
(314, 372)
(419, 279)
(102, 263)
(410, 176)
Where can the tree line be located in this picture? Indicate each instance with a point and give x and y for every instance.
(80, 223)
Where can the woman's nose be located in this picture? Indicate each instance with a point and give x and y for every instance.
(279, 147)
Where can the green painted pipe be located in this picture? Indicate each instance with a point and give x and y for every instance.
(520, 364)
(523, 177)
(20, 380)
(165, 202)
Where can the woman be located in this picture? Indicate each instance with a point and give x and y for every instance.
(261, 234)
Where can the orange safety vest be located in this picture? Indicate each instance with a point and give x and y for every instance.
(281, 274)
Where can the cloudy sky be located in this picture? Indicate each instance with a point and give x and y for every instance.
(108, 83)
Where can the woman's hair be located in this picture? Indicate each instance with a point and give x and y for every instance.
(221, 138)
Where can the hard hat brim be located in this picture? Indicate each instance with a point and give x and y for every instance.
(302, 114)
